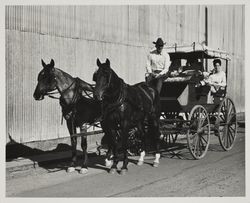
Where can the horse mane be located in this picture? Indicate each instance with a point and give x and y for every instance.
(85, 86)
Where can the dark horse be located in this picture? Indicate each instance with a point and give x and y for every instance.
(77, 107)
(123, 108)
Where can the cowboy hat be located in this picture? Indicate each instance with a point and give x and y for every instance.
(159, 42)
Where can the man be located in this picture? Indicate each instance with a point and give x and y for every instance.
(157, 67)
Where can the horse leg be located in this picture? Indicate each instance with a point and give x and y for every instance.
(72, 130)
(124, 168)
(113, 168)
(84, 168)
(154, 125)
(143, 147)
(157, 143)
(108, 161)
(106, 140)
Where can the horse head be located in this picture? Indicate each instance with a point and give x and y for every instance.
(103, 79)
(46, 81)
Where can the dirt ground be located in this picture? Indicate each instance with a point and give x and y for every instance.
(218, 174)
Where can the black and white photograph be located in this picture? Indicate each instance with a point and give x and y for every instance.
(124, 100)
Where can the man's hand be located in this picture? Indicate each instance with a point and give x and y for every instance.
(159, 75)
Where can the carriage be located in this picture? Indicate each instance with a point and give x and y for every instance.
(192, 110)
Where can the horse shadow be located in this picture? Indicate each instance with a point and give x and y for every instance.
(17, 151)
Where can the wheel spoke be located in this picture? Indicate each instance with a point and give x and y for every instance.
(232, 129)
(202, 138)
(231, 135)
(225, 136)
(230, 108)
(201, 116)
(201, 121)
(229, 138)
(195, 142)
(232, 118)
(205, 126)
(202, 144)
(198, 145)
(222, 117)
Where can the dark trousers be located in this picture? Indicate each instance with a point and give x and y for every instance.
(155, 82)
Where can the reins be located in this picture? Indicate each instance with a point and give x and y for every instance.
(50, 94)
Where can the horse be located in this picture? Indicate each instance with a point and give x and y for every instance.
(78, 107)
(125, 107)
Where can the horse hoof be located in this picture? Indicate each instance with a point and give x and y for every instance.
(83, 171)
(139, 163)
(123, 171)
(70, 169)
(156, 164)
(108, 163)
(112, 171)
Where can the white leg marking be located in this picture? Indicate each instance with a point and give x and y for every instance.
(141, 159)
(108, 163)
(83, 171)
(70, 169)
(156, 161)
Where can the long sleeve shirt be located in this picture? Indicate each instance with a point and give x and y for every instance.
(218, 79)
(158, 62)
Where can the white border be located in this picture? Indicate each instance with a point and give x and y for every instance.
(118, 2)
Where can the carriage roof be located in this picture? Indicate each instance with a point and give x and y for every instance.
(195, 51)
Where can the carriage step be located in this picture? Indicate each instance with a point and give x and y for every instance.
(85, 134)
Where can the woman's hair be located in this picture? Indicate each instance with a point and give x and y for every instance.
(217, 61)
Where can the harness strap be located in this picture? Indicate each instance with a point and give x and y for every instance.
(119, 101)
(53, 97)
(147, 95)
(90, 96)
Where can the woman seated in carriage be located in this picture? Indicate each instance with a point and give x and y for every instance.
(216, 79)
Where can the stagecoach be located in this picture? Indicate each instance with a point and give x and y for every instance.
(186, 109)
(189, 109)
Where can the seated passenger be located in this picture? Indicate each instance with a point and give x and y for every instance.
(217, 79)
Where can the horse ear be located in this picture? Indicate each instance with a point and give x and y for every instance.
(52, 63)
(94, 77)
(98, 62)
(108, 62)
(44, 65)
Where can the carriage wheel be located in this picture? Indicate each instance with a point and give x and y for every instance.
(198, 134)
(226, 124)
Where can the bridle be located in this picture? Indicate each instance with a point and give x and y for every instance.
(57, 91)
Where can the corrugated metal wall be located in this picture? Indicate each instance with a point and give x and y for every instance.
(74, 36)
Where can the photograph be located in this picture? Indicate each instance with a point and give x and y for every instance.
(124, 100)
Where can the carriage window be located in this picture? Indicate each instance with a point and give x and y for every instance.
(175, 65)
